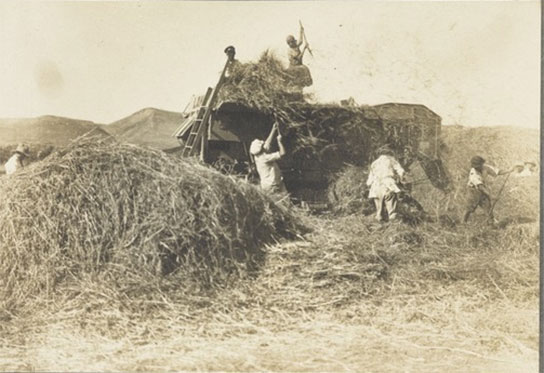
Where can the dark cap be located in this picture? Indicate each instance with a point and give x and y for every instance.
(230, 49)
(477, 161)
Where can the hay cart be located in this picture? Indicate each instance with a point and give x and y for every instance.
(324, 139)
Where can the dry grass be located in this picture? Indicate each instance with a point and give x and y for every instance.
(350, 295)
(329, 134)
(500, 146)
(129, 216)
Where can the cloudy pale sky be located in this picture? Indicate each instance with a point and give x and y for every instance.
(473, 63)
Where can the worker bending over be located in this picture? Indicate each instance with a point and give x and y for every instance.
(383, 179)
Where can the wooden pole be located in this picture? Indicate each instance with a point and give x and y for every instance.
(202, 131)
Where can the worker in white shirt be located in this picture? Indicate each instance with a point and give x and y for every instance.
(266, 162)
(383, 179)
(477, 192)
(16, 161)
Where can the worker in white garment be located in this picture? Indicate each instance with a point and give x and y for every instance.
(16, 162)
(383, 178)
(266, 162)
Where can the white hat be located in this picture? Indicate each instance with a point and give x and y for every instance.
(256, 146)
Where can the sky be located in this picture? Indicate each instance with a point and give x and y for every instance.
(473, 63)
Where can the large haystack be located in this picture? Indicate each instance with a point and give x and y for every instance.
(330, 135)
(327, 134)
(98, 208)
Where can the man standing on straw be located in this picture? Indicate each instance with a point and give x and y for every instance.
(301, 73)
(383, 178)
(234, 64)
(16, 162)
(266, 162)
(477, 192)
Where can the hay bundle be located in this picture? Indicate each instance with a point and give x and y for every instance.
(97, 206)
(311, 130)
(348, 193)
(264, 85)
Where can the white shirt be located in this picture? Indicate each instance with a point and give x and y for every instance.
(268, 169)
(384, 174)
(13, 164)
(476, 178)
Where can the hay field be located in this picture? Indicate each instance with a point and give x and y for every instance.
(333, 293)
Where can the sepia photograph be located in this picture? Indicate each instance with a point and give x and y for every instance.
(270, 186)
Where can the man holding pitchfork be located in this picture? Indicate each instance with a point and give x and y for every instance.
(266, 162)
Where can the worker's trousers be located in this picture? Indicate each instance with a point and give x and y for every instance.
(476, 198)
(389, 201)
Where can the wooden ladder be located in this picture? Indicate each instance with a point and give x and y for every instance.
(197, 124)
(200, 124)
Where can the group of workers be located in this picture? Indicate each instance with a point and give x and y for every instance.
(386, 175)
(386, 178)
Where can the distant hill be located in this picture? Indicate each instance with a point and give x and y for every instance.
(150, 127)
(500, 145)
(47, 129)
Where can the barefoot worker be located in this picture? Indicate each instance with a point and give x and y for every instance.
(383, 179)
(266, 162)
(477, 192)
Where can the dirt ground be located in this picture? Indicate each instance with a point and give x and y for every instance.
(318, 344)
(452, 329)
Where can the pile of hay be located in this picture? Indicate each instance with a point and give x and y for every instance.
(265, 85)
(329, 134)
(132, 213)
(345, 260)
(348, 192)
(310, 130)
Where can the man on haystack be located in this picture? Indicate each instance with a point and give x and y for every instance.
(16, 161)
(301, 73)
(477, 192)
(234, 64)
(383, 179)
(266, 162)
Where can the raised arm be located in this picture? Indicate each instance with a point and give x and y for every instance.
(495, 171)
(280, 145)
(270, 137)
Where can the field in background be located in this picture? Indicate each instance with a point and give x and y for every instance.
(352, 295)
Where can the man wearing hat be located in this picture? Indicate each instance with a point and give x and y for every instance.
(477, 192)
(16, 161)
(383, 179)
(266, 162)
